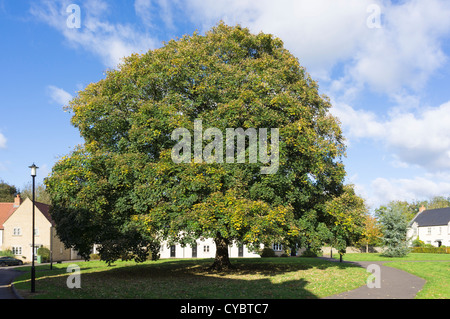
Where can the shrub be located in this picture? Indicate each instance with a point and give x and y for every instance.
(418, 243)
(431, 250)
(267, 252)
(6, 253)
(44, 253)
(94, 257)
(311, 253)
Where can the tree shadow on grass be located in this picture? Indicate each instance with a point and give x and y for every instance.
(259, 278)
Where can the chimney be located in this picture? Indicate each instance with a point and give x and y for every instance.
(421, 209)
(17, 201)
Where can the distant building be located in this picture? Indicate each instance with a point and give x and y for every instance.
(431, 226)
(204, 248)
(16, 232)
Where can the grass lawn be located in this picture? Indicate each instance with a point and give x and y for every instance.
(437, 274)
(378, 257)
(262, 278)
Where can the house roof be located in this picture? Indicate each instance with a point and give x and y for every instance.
(6, 210)
(433, 217)
(45, 210)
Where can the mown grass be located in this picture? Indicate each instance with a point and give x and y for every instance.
(437, 275)
(261, 278)
(379, 257)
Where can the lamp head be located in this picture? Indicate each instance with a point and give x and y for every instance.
(33, 169)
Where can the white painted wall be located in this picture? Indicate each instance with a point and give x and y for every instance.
(206, 248)
(431, 234)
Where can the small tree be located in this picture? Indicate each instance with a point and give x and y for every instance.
(394, 229)
(346, 215)
(371, 235)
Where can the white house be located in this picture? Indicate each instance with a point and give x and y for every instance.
(205, 248)
(431, 226)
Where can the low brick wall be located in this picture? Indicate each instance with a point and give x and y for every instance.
(326, 250)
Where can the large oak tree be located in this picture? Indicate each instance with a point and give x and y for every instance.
(123, 190)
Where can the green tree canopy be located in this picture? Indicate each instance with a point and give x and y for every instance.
(122, 188)
(346, 219)
(7, 192)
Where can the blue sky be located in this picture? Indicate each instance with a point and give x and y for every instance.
(384, 64)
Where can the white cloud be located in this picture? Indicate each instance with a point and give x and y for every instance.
(422, 139)
(417, 138)
(150, 11)
(404, 52)
(320, 33)
(385, 190)
(358, 123)
(3, 141)
(111, 42)
(58, 95)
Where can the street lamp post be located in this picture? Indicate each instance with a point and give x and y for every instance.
(33, 273)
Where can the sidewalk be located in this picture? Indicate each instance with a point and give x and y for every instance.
(395, 284)
(7, 275)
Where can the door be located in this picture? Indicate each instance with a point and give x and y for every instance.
(172, 251)
(35, 252)
(194, 250)
(241, 251)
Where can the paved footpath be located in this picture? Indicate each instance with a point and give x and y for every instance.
(7, 275)
(395, 284)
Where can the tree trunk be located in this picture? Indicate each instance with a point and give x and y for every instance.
(222, 260)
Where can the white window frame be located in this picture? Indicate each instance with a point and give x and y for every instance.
(16, 250)
(17, 231)
(277, 247)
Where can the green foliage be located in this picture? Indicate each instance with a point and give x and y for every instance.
(6, 253)
(41, 194)
(311, 253)
(267, 252)
(346, 216)
(94, 257)
(122, 190)
(7, 192)
(431, 250)
(44, 253)
(394, 229)
(418, 243)
(410, 209)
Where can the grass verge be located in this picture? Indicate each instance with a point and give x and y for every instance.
(427, 266)
(437, 275)
(260, 278)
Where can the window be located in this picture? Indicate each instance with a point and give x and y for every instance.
(36, 232)
(440, 231)
(206, 249)
(17, 231)
(17, 250)
(429, 231)
(277, 247)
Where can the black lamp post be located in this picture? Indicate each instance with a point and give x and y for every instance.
(33, 273)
